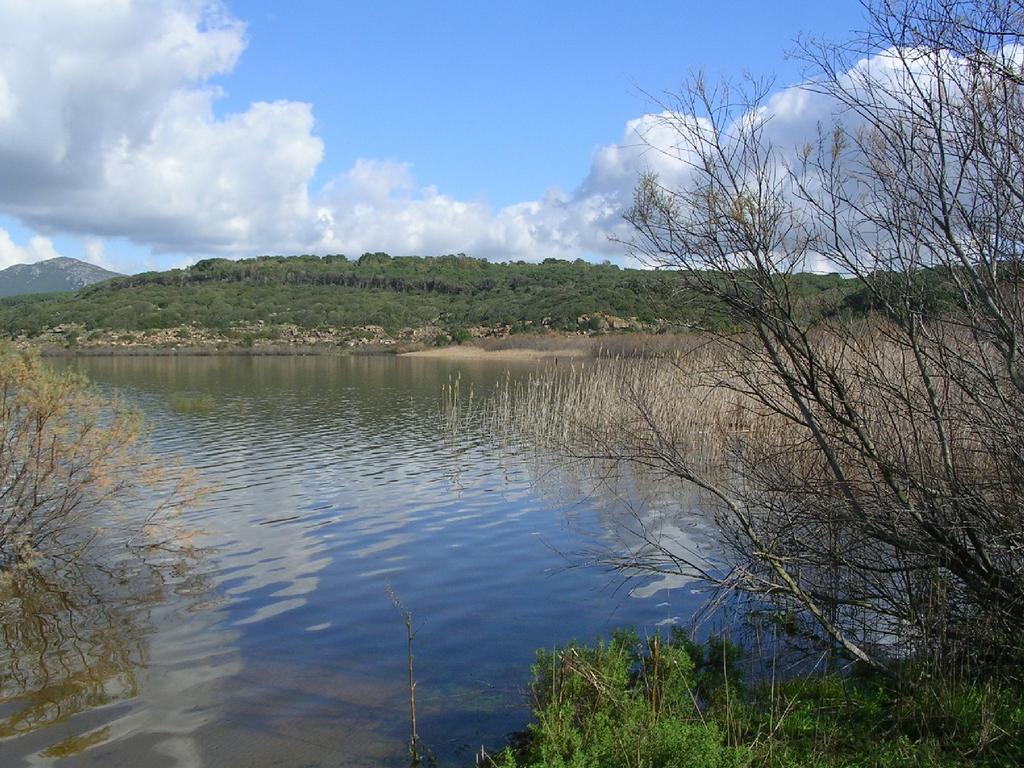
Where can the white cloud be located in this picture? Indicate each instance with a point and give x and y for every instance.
(94, 251)
(38, 248)
(108, 130)
(378, 206)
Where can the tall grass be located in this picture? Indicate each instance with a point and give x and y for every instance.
(857, 492)
(618, 407)
(602, 428)
(594, 346)
(711, 407)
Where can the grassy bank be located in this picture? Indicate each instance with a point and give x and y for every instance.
(670, 703)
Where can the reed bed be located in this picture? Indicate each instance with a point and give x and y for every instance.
(715, 404)
(602, 345)
(855, 475)
(688, 402)
(600, 429)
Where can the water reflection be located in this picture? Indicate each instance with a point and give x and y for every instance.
(71, 641)
(330, 479)
(77, 637)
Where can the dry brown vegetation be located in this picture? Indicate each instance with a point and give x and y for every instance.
(70, 462)
(714, 415)
(601, 345)
(606, 407)
(89, 541)
(866, 474)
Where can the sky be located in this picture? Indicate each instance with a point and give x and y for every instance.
(146, 134)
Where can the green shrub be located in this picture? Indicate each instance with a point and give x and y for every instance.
(621, 703)
(676, 704)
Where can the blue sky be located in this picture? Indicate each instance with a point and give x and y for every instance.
(501, 100)
(494, 128)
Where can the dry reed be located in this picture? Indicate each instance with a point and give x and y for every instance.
(616, 407)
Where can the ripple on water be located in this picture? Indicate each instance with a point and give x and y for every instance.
(328, 481)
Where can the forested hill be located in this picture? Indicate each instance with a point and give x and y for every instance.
(376, 289)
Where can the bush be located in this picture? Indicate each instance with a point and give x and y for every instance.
(51, 499)
(619, 703)
(677, 704)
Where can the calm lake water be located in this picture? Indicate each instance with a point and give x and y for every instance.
(331, 479)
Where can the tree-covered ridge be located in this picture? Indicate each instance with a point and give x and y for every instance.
(377, 289)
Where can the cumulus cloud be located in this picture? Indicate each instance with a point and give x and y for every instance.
(108, 128)
(377, 205)
(38, 248)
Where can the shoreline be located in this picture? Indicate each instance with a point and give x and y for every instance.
(525, 348)
(198, 351)
(453, 352)
(471, 352)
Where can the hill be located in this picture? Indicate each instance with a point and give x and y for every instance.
(333, 292)
(60, 274)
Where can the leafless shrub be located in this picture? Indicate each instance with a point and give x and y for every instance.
(888, 510)
(867, 473)
(70, 463)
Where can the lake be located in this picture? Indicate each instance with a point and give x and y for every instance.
(330, 480)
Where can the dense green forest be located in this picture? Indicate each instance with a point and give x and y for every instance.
(377, 289)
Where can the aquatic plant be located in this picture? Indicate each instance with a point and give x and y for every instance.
(201, 403)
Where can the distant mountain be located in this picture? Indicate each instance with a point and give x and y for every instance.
(60, 274)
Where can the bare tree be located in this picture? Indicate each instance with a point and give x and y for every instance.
(886, 504)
